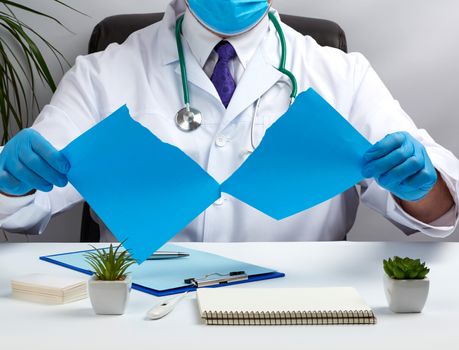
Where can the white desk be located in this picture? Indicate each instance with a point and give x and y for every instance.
(25, 325)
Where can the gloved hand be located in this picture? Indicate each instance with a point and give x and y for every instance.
(29, 162)
(400, 164)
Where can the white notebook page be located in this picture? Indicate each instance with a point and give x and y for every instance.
(280, 299)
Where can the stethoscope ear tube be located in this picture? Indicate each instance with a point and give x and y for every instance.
(283, 43)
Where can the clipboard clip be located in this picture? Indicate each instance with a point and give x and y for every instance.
(217, 278)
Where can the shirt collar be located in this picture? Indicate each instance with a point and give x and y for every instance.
(199, 39)
(202, 42)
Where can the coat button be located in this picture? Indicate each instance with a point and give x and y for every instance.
(220, 141)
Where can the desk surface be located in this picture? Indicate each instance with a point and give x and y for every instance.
(74, 326)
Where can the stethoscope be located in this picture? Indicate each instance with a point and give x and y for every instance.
(189, 119)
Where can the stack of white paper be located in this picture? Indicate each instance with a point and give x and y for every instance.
(49, 289)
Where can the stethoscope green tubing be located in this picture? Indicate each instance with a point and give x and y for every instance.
(178, 33)
(282, 69)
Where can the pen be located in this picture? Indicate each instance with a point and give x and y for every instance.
(163, 255)
(159, 255)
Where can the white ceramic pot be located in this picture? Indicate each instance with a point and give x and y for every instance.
(109, 297)
(406, 295)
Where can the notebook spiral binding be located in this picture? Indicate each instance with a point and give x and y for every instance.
(289, 318)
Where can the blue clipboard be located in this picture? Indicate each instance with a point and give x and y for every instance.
(166, 277)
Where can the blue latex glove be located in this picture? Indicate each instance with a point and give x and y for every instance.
(400, 164)
(29, 162)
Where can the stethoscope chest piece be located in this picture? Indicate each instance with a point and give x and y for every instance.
(188, 119)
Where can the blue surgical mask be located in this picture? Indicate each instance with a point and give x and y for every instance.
(229, 17)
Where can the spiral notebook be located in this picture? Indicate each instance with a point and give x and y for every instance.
(283, 306)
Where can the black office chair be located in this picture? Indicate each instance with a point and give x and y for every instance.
(118, 28)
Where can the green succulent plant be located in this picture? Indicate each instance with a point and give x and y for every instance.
(405, 269)
(108, 264)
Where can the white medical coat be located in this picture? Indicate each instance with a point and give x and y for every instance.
(144, 73)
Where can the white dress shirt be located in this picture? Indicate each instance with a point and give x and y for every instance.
(202, 43)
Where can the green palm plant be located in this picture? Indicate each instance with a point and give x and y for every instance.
(20, 62)
(109, 264)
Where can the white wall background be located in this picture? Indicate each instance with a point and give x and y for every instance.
(413, 44)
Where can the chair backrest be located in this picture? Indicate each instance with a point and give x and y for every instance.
(118, 28)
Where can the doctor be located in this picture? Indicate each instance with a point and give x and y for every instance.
(232, 51)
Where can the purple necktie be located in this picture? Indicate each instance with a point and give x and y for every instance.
(221, 77)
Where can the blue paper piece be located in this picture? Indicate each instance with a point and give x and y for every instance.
(307, 156)
(162, 275)
(144, 190)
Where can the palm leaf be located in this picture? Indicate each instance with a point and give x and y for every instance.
(53, 49)
(71, 8)
(24, 76)
(27, 9)
(19, 66)
(9, 104)
(108, 263)
(15, 77)
(35, 53)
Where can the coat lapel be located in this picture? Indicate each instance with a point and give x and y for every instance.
(258, 78)
(167, 46)
(196, 74)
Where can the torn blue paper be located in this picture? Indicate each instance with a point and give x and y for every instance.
(144, 190)
(307, 156)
